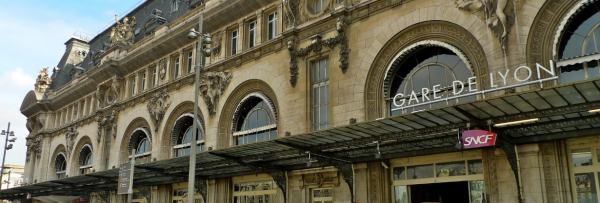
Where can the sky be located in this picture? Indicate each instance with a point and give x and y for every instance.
(32, 37)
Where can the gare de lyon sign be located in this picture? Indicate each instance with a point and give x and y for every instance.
(472, 138)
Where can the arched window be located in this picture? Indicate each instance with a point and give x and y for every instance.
(579, 45)
(141, 140)
(86, 159)
(255, 119)
(60, 165)
(434, 64)
(182, 132)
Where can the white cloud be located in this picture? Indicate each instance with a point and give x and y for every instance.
(16, 80)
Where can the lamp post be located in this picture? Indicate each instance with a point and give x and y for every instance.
(203, 38)
(7, 146)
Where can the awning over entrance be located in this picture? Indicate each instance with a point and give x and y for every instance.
(562, 112)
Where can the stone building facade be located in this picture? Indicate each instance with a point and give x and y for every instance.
(325, 101)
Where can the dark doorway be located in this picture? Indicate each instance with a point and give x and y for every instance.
(454, 192)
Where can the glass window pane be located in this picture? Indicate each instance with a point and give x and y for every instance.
(420, 80)
(475, 166)
(324, 97)
(585, 184)
(399, 173)
(593, 70)
(316, 115)
(323, 113)
(400, 194)
(260, 136)
(252, 138)
(252, 120)
(261, 118)
(316, 96)
(315, 72)
(477, 191)
(590, 46)
(322, 70)
(437, 75)
(573, 47)
(422, 171)
(447, 169)
(581, 157)
(324, 64)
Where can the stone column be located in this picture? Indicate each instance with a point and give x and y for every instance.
(168, 71)
(279, 19)
(240, 40)
(259, 26)
(148, 78)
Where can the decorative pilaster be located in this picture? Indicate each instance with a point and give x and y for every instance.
(259, 26)
(241, 35)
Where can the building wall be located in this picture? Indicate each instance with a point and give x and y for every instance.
(378, 30)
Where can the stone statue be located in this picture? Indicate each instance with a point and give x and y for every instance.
(212, 85)
(123, 33)
(43, 81)
(157, 107)
(70, 139)
(498, 15)
(162, 66)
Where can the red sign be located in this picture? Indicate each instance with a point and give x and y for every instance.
(478, 138)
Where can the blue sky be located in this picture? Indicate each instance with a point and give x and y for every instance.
(32, 37)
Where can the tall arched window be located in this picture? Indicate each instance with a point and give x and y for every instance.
(426, 66)
(86, 159)
(60, 165)
(141, 140)
(579, 45)
(182, 135)
(255, 119)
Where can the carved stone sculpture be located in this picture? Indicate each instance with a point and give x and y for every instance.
(157, 107)
(75, 110)
(116, 85)
(109, 120)
(70, 139)
(211, 87)
(162, 67)
(43, 81)
(317, 45)
(216, 48)
(122, 34)
(290, 13)
(33, 146)
(499, 15)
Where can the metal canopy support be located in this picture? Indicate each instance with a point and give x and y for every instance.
(346, 168)
(146, 192)
(104, 195)
(278, 174)
(201, 186)
(513, 159)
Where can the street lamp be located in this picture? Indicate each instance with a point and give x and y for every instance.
(6, 145)
(203, 38)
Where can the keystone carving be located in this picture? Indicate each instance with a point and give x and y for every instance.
(499, 15)
(211, 87)
(43, 81)
(70, 139)
(317, 45)
(157, 107)
(122, 34)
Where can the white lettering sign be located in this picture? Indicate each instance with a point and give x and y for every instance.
(521, 74)
(482, 139)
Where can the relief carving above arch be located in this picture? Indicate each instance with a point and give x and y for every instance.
(432, 30)
(226, 119)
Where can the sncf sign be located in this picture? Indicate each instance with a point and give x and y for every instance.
(478, 138)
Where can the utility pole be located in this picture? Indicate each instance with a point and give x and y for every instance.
(203, 38)
(7, 146)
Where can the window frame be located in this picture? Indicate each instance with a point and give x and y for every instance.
(272, 25)
(143, 85)
(154, 75)
(133, 86)
(190, 59)
(317, 85)
(176, 68)
(234, 42)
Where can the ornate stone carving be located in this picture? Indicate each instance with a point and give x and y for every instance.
(162, 69)
(346, 169)
(109, 120)
(70, 139)
(551, 178)
(104, 196)
(451, 33)
(153, 21)
(290, 13)
(157, 107)
(217, 44)
(319, 179)
(43, 81)
(116, 85)
(211, 87)
(317, 45)
(34, 146)
(499, 15)
(122, 34)
(75, 110)
(146, 192)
